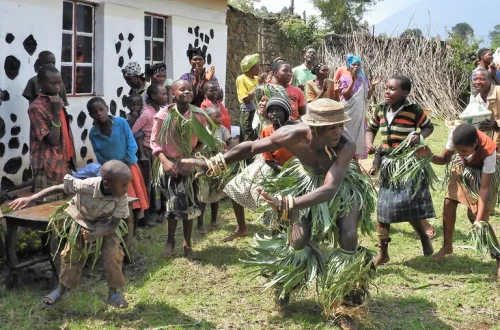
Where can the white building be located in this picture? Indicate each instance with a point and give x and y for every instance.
(92, 41)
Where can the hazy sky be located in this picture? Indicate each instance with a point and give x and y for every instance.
(381, 10)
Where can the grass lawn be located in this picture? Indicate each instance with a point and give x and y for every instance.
(215, 292)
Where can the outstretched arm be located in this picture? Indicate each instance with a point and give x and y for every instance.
(21, 203)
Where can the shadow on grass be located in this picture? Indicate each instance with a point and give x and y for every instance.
(451, 264)
(219, 256)
(306, 312)
(404, 313)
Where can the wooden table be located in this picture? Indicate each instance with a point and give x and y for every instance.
(37, 217)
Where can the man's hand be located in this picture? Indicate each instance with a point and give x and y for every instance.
(56, 105)
(210, 73)
(272, 201)
(21, 203)
(423, 152)
(372, 171)
(169, 168)
(376, 81)
(199, 163)
(488, 125)
(354, 74)
(415, 140)
(89, 236)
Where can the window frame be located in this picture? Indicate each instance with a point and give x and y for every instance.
(75, 34)
(152, 39)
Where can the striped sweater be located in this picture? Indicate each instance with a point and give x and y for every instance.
(406, 120)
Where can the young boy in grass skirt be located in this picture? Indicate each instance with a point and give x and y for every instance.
(397, 118)
(473, 180)
(242, 189)
(177, 130)
(91, 222)
(321, 195)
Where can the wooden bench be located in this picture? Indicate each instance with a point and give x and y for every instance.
(37, 217)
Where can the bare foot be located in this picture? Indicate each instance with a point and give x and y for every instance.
(381, 259)
(189, 253)
(427, 247)
(168, 253)
(235, 235)
(442, 253)
(347, 323)
(213, 225)
(498, 268)
(202, 231)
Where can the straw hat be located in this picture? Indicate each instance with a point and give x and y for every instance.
(325, 112)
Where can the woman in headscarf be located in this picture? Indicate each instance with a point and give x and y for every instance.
(198, 74)
(134, 77)
(246, 84)
(322, 86)
(157, 74)
(355, 90)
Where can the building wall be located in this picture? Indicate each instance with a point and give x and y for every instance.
(116, 23)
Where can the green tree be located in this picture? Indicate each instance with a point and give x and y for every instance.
(495, 32)
(243, 5)
(462, 30)
(299, 32)
(285, 11)
(342, 15)
(412, 33)
(495, 42)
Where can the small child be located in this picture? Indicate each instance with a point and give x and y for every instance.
(112, 138)
(98, 206)
(212, 95)
(171, 148)
(134, 105)
(157, 96)
(52, 151)
(477, 159)
(211, 190)
(31, 91)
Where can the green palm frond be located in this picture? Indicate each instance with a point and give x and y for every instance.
(483, 239)
(285, 268)
(401, 167)
(344, 272)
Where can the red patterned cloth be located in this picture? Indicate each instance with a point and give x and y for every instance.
(54, 160)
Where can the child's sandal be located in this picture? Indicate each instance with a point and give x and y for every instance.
(54, 297)
(117, 301)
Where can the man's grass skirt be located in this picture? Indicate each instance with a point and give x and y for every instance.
(337, 274)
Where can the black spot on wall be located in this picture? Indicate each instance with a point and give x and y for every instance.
(30, 44)
(25, 149)
(212, 34)
(2, 149)
(9, 38)
(123, 114)
(207, 39)
(90, 161)
(112, 107)
(83, 152)
(27, 175)
(70, 118)
(15, 130)
(202, 36)
(2, 127)
(81, 119)
(129, 53)
(209, 59)
(120, 62)
(84, 135)
(11, 67)
(120, 36)
(204, 49)
(190, 30)
(196, 43)
(119, 91)
(6, 95)
(13, 165)
(118, 47)
(7, 184)
(190, 46)
(124, 101)
(13, 117)
(14, 143)
(130, 37)
(197, 31)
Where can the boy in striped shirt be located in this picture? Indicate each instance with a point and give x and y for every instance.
(396, 118)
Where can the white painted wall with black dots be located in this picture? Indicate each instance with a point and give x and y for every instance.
(119, 39)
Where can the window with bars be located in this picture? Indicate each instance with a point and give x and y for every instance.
(77, 55)
(154, 39)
